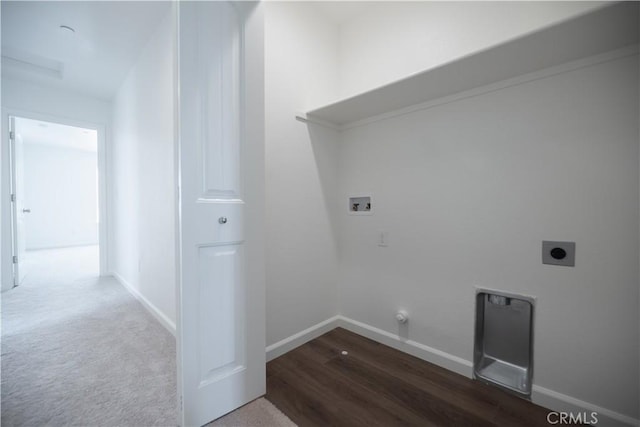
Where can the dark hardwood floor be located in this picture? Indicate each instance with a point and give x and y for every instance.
(375, 385)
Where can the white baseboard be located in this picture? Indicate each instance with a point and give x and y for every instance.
(65, 246)
(424, 352)
(296, 340)
(540, 395)
(155, 312)
(561, 402)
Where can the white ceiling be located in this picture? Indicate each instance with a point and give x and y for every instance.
(56, 135)
(109, 36)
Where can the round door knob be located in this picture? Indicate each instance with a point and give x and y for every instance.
(222, 220)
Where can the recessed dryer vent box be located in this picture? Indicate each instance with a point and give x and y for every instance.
(503, 344)
(360, 205)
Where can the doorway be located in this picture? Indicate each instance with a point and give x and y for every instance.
(57, 199)
(88, 351)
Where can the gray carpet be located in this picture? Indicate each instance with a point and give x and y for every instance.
(80, 350)
(259, 413)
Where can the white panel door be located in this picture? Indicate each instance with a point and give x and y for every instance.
(221, 342)
(19, 211)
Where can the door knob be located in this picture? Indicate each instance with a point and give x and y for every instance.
(26, 210)
(222, 220)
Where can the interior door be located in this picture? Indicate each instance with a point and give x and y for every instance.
(19, 210)
(221, 342)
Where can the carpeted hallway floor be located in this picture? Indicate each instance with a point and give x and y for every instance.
(80, 350)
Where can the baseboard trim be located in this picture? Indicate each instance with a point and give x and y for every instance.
(296, 340)
(421, 351)
(74, 245)
(540, 395)
(562, 402)
(155, 312)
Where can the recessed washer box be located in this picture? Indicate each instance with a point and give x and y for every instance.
(559, 253)
(361, 205)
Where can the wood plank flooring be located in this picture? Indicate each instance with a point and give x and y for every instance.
(375, 385)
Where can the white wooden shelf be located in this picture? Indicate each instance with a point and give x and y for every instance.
(603, 30)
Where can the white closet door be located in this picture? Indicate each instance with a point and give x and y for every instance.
(19, 210)
(221, 323)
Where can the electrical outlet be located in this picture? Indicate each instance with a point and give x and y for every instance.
(559, 253)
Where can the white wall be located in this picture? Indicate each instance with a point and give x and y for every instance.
(17, 97)
(60, 188)
(395, 39)
(468, 190)
(301, 257)
(142, 170)
(24, 96)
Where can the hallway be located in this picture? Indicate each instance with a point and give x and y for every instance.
(78, 349)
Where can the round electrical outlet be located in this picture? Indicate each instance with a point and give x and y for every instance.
(558, 253)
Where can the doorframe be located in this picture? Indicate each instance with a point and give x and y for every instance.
(175, 26)
(7, 251)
